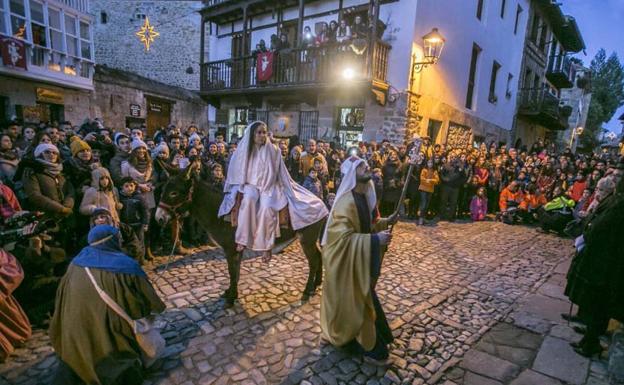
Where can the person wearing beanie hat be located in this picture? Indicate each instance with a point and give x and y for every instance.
(45, 185)
(136, 143)
(139, 167)
(161, 151)
(77, 145)
(41, 147)
(93, 342)
(195, 141)
(118, 136)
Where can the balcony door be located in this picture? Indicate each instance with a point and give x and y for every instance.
(241, 48)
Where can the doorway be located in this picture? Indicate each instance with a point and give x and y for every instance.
(158, 114)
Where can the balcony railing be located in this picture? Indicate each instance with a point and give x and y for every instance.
(296, 67)
(560, 71)
(212, 3)
(542, 107)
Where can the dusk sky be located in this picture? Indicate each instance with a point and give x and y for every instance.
(602, 24)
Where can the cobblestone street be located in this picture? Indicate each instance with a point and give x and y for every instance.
(443, 288)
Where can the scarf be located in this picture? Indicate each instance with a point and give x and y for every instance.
(143, 165)
(53, 169)
(8, 154)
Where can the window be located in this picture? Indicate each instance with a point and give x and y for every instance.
(85, 41)
(495, 67)
(518, 13)
(476, 50)
(508, 89)
(503, 4)
(433, 129)
(535, 27)
(70, 36)
(543, 34)
(103, 17)
(18, 19)
(528, 78)
(479, 9)
(2, 22)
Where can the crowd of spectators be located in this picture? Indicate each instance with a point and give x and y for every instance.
(82, 176)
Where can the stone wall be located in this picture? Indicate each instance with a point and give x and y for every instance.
(173, 57)
(116, 90)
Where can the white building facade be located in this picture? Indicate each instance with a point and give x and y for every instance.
(48, 74)
(458, 98)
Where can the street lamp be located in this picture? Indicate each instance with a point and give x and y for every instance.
(348, 73)
(433, 43)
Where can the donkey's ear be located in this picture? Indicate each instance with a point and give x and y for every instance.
(186, 174)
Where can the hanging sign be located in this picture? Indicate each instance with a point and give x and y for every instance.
(13, 52)
(264, 66)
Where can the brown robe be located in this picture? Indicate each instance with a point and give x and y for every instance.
(97, 344)
(14, 326)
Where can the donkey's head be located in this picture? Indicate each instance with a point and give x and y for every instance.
(176, 196)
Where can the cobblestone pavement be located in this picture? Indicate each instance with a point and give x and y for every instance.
(443, 287)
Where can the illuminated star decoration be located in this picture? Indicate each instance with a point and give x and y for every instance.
(147, 34)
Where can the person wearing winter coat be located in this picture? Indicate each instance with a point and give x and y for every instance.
(453, 176)
(428, 180)
(45, 186)
(478, 205)
(392, 183)
(139, 167)
(122, 152)
(313, 184)
(556, 214)
(101, 194)
(78, 168)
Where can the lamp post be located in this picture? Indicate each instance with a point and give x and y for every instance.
(433, 43)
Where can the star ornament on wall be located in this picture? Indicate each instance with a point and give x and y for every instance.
(147, 34)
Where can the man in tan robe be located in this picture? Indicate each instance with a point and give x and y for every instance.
(96, 345)
(351, 314)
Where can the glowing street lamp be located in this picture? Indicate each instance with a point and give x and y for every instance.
(433, 43)
(348, 73)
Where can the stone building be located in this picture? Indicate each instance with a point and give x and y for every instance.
(50, 75)
(173, 56)
(370, 90)
(120, 103)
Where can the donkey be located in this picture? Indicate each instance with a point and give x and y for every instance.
(184, 191)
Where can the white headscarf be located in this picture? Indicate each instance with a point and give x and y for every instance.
(348, 183)
(237, 166)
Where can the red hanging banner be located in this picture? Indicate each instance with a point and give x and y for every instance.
(264, 66)
(13, 52)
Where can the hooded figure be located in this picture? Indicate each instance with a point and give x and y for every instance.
(257, 171)
(93, 342)
(351, 314)
(101, 194)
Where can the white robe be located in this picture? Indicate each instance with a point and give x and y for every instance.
(268, 188)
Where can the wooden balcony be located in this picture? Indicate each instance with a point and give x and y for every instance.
(295, 69)
(541, 107)
(560, 72)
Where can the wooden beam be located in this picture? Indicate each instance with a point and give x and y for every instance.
(300, 22)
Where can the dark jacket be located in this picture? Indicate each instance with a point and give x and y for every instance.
(595, 275)
(134, 211)
(392, 181)
(114, 166)
(453, 175)
(78, 174)
(45, 192)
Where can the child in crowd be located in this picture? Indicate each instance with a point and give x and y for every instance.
(378, 182)
(101, 194)
(478, 205)
(313, 184)
(134, 212)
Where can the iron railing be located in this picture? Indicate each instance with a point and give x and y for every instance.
(560, 71)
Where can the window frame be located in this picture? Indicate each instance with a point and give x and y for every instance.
(492, 97)
(24, 18)
(480, 7)
(519, 11)
(503, 8)
(472, 77)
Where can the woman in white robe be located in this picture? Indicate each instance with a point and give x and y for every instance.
(257, 170)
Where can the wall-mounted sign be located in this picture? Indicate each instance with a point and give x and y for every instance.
(48, 96)
(135, 110)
